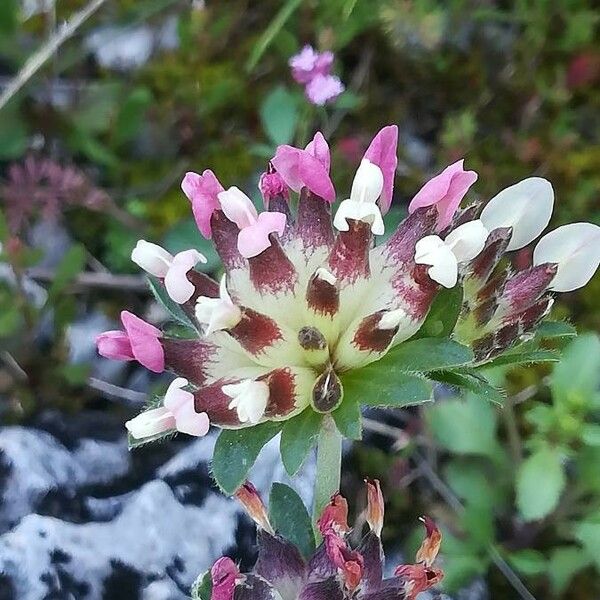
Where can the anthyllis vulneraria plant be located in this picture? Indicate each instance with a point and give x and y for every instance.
(313, 317)
(290, 568)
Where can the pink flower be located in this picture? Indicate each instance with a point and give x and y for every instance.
(202, 191)
(446, 191)
(309, 63)
(323, 88)
(306, 168)
(383, 152)
(140, 341)
(255, 228)
(177, 412)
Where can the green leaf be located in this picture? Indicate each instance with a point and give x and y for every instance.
(464, 426)
(564, 563)
(577, 377)
(275, 26)
(384, 384)
(428, 354)
(471, 380)
(540, 482)
(471, 483)
(236, 451)
(478, 522)
(347, 417)
(588, 534)
(522, 358)
(298, 437)
(69, 267)
(529, 562)
(290, 519)
(202, 587)
(185, 235)
(279, 116)
(160, 294)
(13, 132)
(133, 443)
(131, 114)
(443, 314)
(555, 329)
(590, 434)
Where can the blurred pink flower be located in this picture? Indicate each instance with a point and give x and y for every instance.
(323, 88)
(309, 63)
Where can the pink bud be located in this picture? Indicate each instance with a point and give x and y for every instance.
(114, 345)
(145, 342)
(202, 191)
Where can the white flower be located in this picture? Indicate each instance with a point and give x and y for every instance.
(362, 204)
(218, 313)
(525, 206)
(173, 269)
(249, 398)
(575, 248)
(461, 245)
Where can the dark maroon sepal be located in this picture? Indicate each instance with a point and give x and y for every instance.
(255, 332)
(524, 288)
(280, 563)
(486, 261)
(272, 271)
(225, 235)
(349, 257)
(313, 223)
(400, 247)
(322, 297)
(187, 358)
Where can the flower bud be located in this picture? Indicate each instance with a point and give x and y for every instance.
(249, 398)
(327, 392)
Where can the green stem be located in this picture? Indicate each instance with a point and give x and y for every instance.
(329, 464)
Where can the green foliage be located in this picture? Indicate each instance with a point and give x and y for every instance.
(279, 115)
(443, 314)
(298, 437)
(160, 294)
(236, 451)
(540, 482)
(290, 519)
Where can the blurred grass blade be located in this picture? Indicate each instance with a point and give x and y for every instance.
(270, 32)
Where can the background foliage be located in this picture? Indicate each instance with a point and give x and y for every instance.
(93, 147)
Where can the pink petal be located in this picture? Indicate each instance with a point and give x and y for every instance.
(179, 288)
(187, 420)
(145, 343)
(237, 207)
(271, 185)
(383, 152)
(202, 191)
(300, 169)
(323, 89)
(446, 191)
(319, 148)
(254, 239)
(114, 345)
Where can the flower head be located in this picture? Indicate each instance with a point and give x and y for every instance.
(306, 299)
(323, 89)
(336, 570)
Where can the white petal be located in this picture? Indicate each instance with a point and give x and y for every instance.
(325, 275)
(368, 183)
(218, 313)
(525, 206)
(576, 250)
(249, 398)
(238, 207)
(359, 211)
(151, 422)
(152, 258)
(467, 240)
(431, 250)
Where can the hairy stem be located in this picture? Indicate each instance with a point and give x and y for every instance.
(329, 464)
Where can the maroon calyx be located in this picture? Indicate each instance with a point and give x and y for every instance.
(400, 247)
(322, 296)
(225, 235)
(272, 271)
(349, 257)
(486, 261)
(369, 337)
(313, 223)
(188, 358)
(282, 392)
(255, 332)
